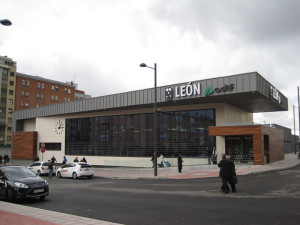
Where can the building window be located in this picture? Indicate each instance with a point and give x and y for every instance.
(10, 110)
(27, 83)
(37, 105)
(42, 95)
(69, 99)
(38, 85)
(8, 138)
(9, 129)
(52, 97)
(37, 95)
(56, 88)
(27, 93)
(23, 82)
(12, 74)
(66, 99)
(26, 104)
(23, 93)
(132, 135)
(56, 98)
(69, 91)
(11, 83)
(22, 103)
(66, 90)
(10, 101)
(53, 88)
(43, 86)
(11, 92)
(9, 120)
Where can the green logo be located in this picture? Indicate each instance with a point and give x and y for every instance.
(208, 91)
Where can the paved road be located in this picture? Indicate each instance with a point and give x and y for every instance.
(269, 198)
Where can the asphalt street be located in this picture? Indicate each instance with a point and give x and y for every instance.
(268, 198)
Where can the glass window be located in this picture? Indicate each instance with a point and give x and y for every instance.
(132, 135)
(11, 92)
(43, 86)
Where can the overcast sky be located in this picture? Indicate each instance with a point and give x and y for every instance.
(99, 44)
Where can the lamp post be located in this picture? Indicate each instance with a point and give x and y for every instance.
(155, 115)
(6, 22)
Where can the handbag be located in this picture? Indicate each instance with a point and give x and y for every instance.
(233, 180)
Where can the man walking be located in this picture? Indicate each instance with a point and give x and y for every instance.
(225, 172)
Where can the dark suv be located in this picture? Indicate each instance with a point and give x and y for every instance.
(19, 182)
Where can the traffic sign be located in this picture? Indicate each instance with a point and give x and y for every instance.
(43, 147)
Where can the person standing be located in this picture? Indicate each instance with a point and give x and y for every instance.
(152, 159)
(162, 159)
(37, 159)
(76, 159)
(53, 160)
(64, 160)
(50, 167)
(179, 163)
(0, 159)
(208, 155)
(214, 155)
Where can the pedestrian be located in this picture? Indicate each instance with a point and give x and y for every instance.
(162, 159)
(208, 155)
(0, 159)
(220, 165)
(53, 160)
(225, 172)
(76, 159)
(84, 160)
(298, 155)
(5, 158)
(50, 167)
(152, 159)
(233, 178)
(37, 159)
(214, 155)
(64, 160)
(179, 163)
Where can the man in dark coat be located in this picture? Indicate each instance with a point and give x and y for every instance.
(179, 163)
(225, 172)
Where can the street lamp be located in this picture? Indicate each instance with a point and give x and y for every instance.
(155, 115)
(6, 22)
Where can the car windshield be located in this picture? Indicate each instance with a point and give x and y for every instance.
(18, 172)
(84, 165)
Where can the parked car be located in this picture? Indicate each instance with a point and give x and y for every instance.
(19, 182)
(41, 168)
(75, 170)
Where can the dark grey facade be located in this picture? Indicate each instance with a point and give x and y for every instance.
(249, 91)
(291, 142)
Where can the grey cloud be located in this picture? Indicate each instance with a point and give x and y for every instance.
(256, 20)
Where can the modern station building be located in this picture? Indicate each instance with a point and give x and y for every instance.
(117, 130)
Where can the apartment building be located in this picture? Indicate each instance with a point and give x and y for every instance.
(36, 91)
(8, 91)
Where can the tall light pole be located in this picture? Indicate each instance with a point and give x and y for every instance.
(155, 115)
(6, 22)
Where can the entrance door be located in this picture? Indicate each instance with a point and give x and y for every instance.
(240, 148)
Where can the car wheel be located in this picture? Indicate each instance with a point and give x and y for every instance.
(42, 198)
(74, 175)
(10, 196)
(38, 173)
(58, 175)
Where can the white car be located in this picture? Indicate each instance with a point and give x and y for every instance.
(41, 168)
(75, 170)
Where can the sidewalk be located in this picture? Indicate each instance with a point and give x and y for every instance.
(189, 172)
(23, 215)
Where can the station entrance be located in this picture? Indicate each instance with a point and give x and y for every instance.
(240, 148)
